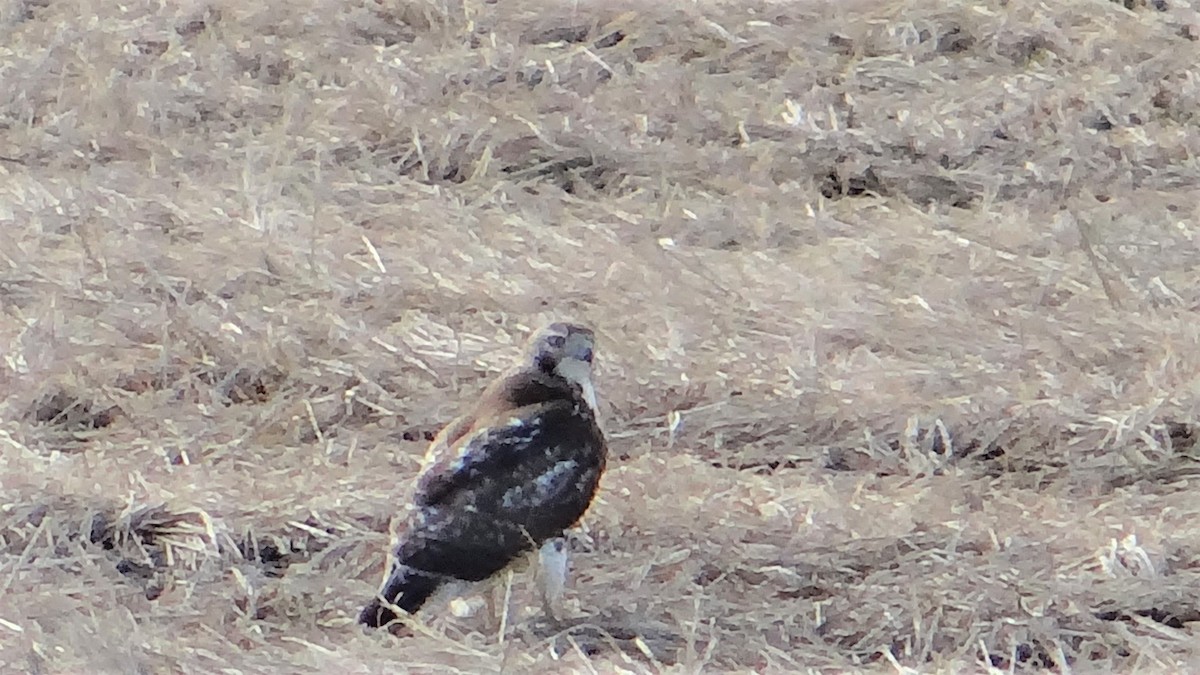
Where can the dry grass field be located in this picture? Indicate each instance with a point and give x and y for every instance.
(898, 308)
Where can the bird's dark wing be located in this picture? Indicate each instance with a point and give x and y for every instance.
(513, 450)
(507, 489)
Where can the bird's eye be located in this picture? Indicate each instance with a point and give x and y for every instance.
(556, 341)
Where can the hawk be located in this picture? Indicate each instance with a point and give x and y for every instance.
(508, 477)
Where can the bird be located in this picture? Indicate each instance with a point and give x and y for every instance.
(509, 476)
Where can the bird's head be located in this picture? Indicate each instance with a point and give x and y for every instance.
(566, 350)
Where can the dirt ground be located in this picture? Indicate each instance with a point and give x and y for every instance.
(897, 302)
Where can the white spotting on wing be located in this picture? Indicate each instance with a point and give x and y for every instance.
(551, 481)
(483, 441)
(535, 494)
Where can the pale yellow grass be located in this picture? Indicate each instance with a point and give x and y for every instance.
(897, 305)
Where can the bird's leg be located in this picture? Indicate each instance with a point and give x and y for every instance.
(552, 576)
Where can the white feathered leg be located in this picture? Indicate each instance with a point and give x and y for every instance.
(552, 575)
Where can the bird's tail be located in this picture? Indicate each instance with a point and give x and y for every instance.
(406, 588)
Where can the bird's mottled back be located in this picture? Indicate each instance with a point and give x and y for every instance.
(516, 471)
